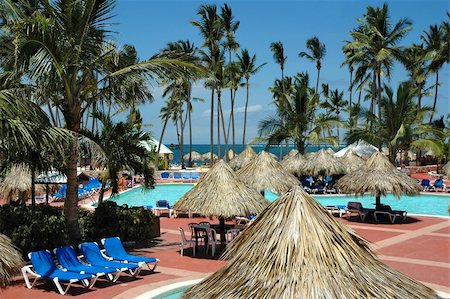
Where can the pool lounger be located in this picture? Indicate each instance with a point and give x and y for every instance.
(68, 259)
(43, 267)
(94, 256)
(114, 249)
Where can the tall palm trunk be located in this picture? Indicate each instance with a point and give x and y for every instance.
(379, 100)
(219, 104)
(286, 142)
(359, 103)
(162, 135)
(317, 81)
(211, 129)
(101, 192)
(373, 96)
(435, 95)
(350, 100)
(52, 116)
(224, 131)
(71, 202)
(33, 186)
(245, 113)
(190, 133)
(183, 166)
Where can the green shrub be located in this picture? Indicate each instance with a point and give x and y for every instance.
(30, 229)
(44, 227)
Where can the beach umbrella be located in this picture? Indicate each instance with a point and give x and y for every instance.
(360, 147)
(247, 155)
(195, 156)
(230, 154)
(378, 178)
(292, 152)
(330, 151)
(10, 260)
(321, 163)
(296, 249)
(293, 162)
(207, 156)
(446, 169)
(264, 172)
(352, 161)
(17, 179)
(221, 194)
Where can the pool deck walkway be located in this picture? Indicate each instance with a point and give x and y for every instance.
(420, 248)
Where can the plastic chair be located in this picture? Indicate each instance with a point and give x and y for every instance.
(231, 234)
(212, 240)
(184, 242)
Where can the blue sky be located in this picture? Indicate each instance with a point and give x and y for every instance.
(150, 25)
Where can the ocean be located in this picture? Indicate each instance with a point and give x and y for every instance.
(204, 148)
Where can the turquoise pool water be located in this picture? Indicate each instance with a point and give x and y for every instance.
(173, 294)
(425, 204)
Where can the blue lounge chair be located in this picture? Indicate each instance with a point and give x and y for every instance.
(438, 184)
(186, 176)
(195, 176)
(425, 184)
(68, 259)
(165, 176)
(114, 249)
(177, 177)
(43, 267)
(94, 256)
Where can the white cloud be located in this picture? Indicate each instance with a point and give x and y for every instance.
(250, 109)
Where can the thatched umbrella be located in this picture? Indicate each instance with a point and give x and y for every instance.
(292, 152)
(446, 169)
(230, 154)
(330, 151)
(293, 162)
(221, 194)
(17, 180)
(352, 161)
(296, 249)
(207, 156)
(247, 155)
(264, 172)
(378, 177)
(195, 156)
(10, 260)
(322, 163)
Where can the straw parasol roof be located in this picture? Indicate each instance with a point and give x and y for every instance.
(194, 156)
(247, 155)
(296, 249)
(292, 152)
(17, 179)
(221, 194)
(264, 172)
(378, 178)
(330, 151)
(352, 161)
(10, 260)
(230, 154)
(293, 162)
(207, 156)
(446, 169)
(322, 163)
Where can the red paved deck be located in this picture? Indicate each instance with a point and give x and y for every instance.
(419, 248)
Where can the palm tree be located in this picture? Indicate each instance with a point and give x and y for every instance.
(68, 39)
(233, 78)
(115, 147)
(278, 55)
(336, 105)
(317, 53)
(436, 45)
(230, 26)
(349, 53)
(248, 67)
(294, 119)
(211, 29)
(415, 61)
(400, 124)
(377, 39)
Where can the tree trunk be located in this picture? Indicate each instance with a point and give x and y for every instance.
(224, 132)
(245, 113)
(359, 103)
(435, 95)
(52, 116)
(373, 96)
(350, 117)
(301, 146)
(211, 130)
(317, 81)
(71, 202)
(102, 192)
(219, 93)
(190, 133)
(183, 166)
(33, 186)
(162, 135)
(233, 126)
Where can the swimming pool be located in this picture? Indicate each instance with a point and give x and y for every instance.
(424, 204)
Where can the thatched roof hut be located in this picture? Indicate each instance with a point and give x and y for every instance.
(247, 155)
(292, 163)
(195, 156)
(221, 194)
(17, 179)
(322, 163)
(352, 161)
(296, 249)
(10, 260)
(264, 172)
(378, 178)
